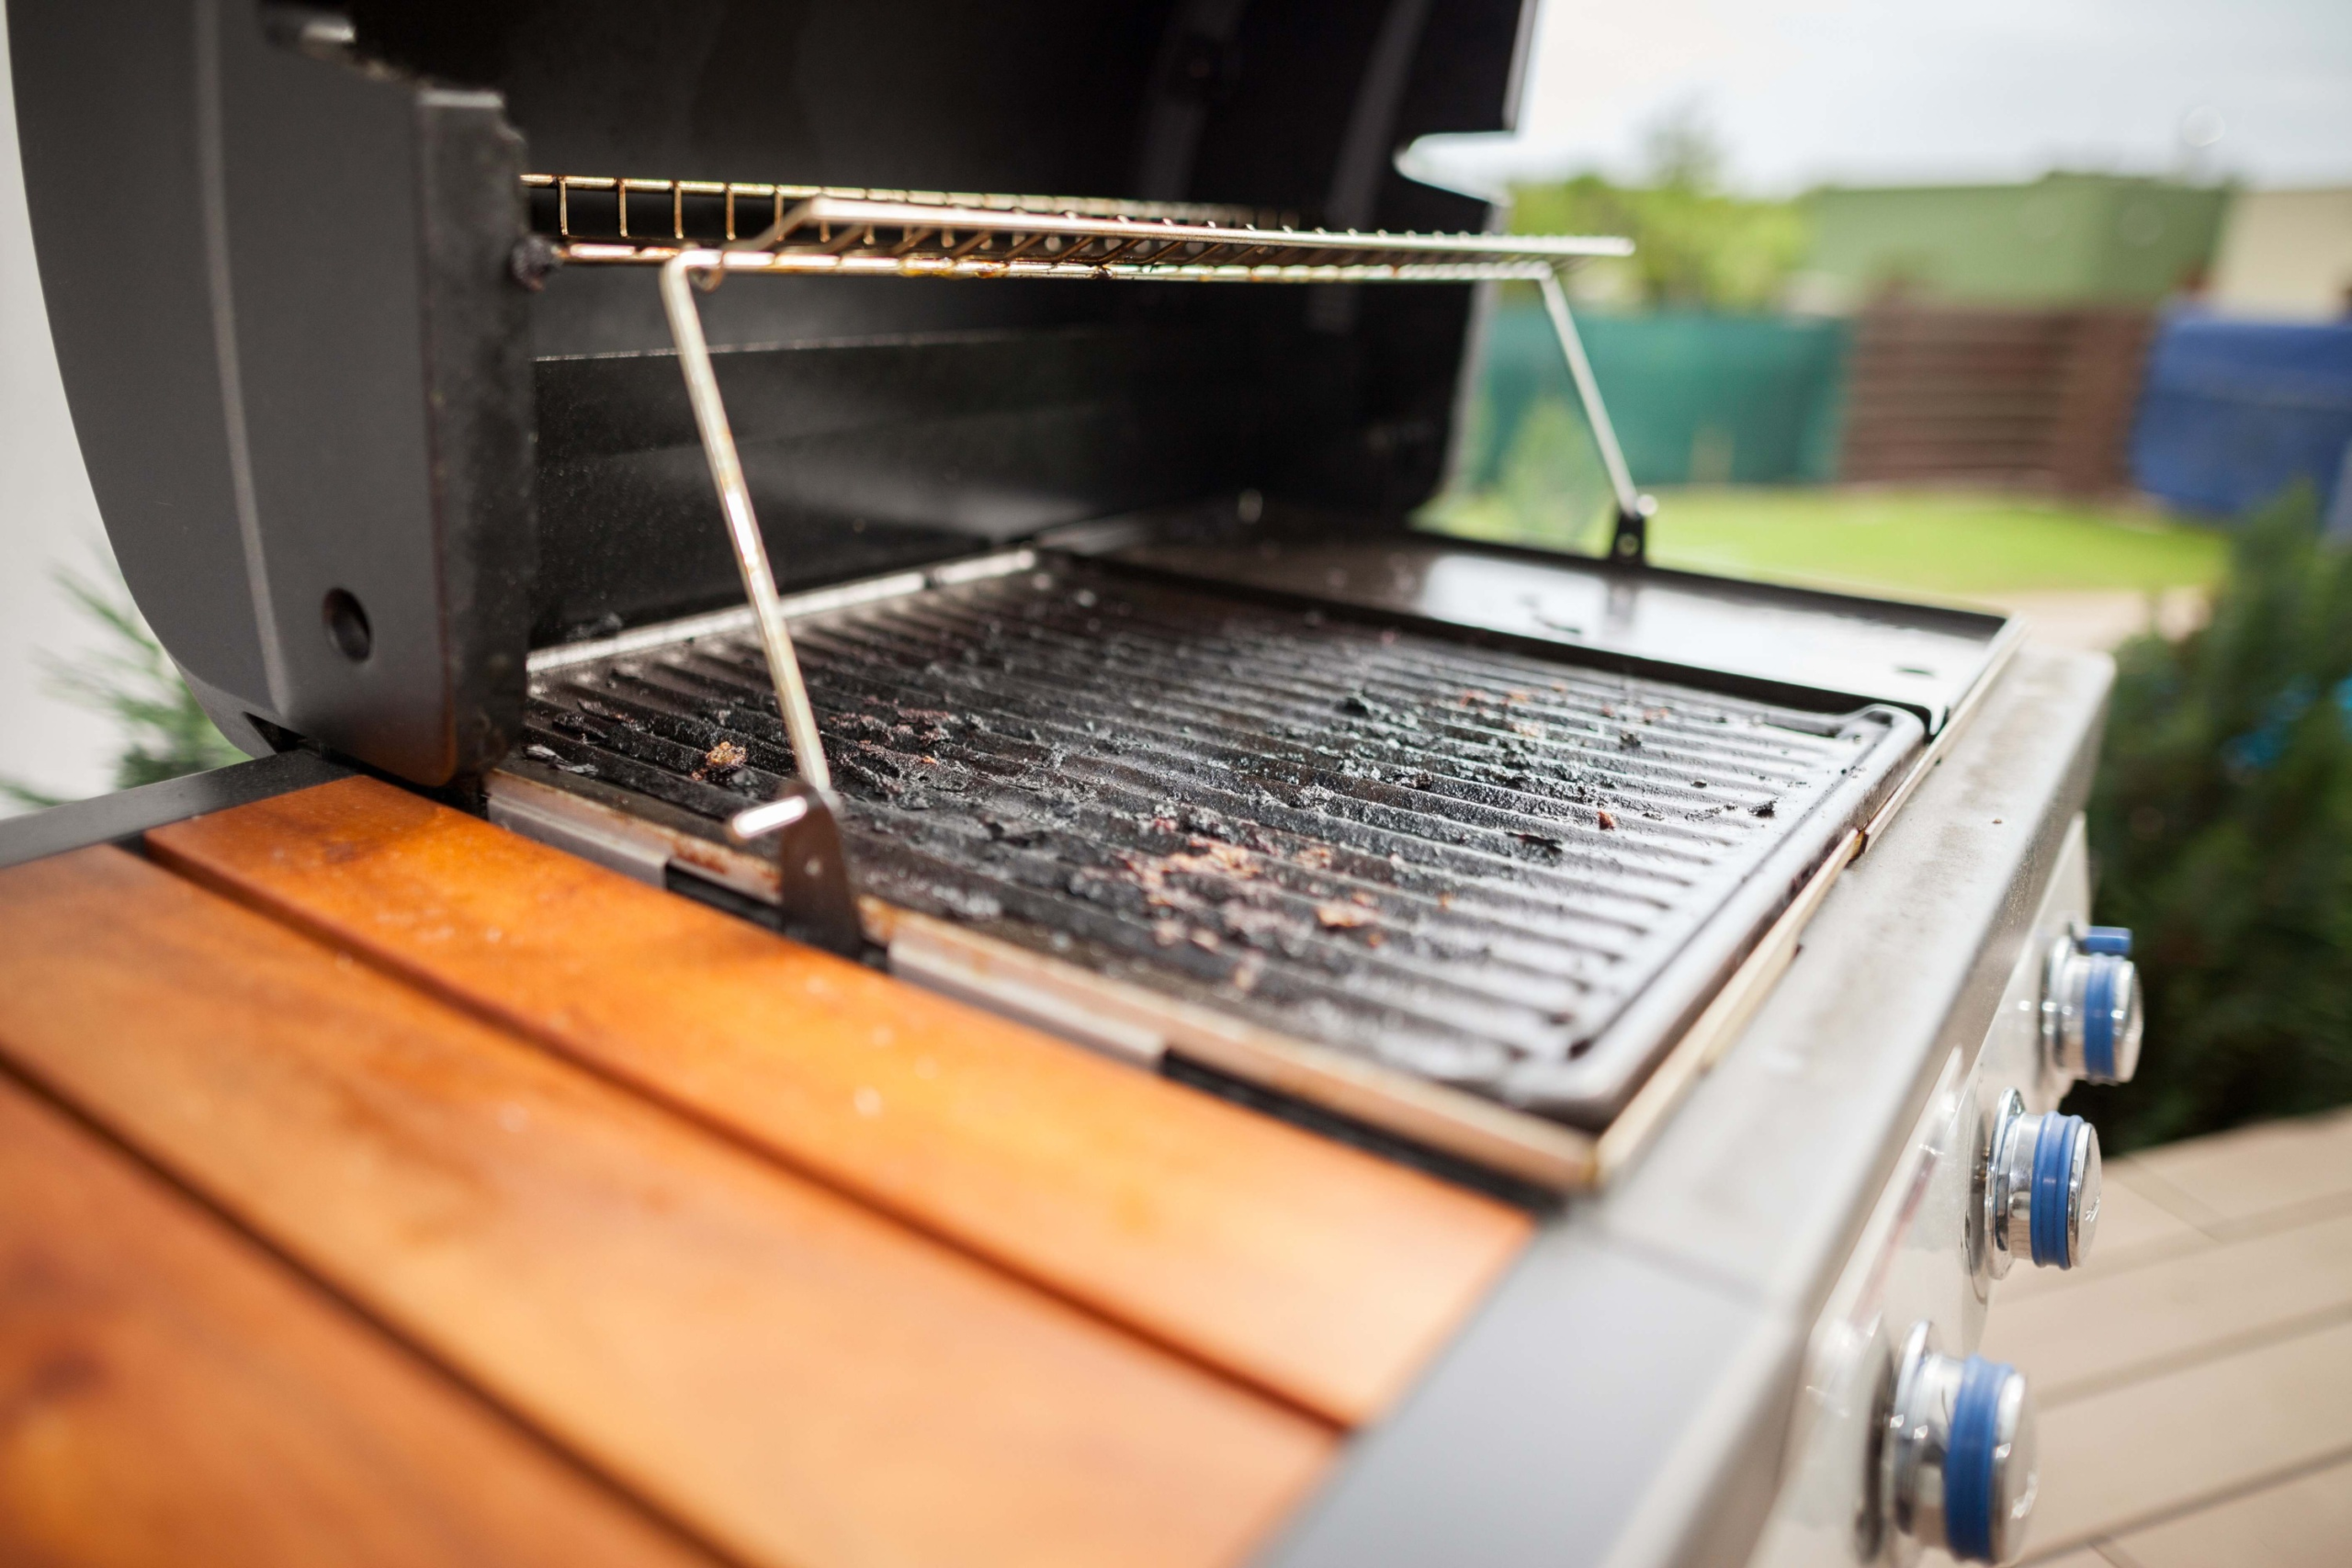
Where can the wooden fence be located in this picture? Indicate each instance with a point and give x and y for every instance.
(2040, 399)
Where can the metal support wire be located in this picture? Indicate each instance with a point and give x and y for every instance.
(1630, 541)
(735, 500)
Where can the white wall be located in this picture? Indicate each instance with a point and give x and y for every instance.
(2286, 255)
(47, 518)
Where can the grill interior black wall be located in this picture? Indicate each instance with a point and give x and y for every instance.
(884, 421)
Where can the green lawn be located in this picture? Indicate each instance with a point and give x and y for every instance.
(1945, 544)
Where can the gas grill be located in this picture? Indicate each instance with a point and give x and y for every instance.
(1021, 595)
(1332, 892)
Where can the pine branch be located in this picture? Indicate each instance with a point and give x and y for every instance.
(163, 732)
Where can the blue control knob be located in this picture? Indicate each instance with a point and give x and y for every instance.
(2090, 1005)
(1959, 1462)
(2041, 1189)
(2112, 940)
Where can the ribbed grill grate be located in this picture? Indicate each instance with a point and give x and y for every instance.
(1456, 858)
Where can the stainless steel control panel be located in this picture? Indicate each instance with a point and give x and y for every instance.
(1904, 1441)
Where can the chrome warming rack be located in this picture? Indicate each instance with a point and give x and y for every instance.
(693, 230)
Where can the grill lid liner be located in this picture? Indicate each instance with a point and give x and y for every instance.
(1497, 871)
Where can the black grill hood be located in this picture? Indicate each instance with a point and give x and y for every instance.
(307, 382)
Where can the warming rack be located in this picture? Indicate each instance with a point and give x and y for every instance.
(833, 231)
(692, 229)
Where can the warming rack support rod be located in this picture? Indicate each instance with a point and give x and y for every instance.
(742, 524)
(1628, 542)
(802, 825)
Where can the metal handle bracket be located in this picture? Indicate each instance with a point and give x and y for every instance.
(814, 894)
(1629, 540)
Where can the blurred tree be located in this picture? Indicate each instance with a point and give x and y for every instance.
(1696, 248)
(164, 733)
(2222, 828)
(1554, 488)
(1682, 148)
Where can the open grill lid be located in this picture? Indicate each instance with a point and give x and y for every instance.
(320, 379)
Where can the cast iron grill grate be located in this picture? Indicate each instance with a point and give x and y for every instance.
(1461, 861)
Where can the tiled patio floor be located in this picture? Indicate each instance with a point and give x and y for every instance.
(2195, 1379)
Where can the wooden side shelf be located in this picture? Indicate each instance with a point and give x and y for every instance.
(175, 1394)
(565, 1199)
(1318, 1273)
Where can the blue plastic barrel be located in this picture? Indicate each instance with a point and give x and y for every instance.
(2233, 413)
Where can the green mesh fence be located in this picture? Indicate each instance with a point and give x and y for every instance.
(1697, 398)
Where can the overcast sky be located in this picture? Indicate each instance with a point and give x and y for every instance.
(1801, 91)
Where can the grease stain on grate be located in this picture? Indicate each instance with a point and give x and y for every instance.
(1451, 858)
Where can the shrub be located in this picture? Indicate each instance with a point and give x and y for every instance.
(162, 731)
(2220, 825)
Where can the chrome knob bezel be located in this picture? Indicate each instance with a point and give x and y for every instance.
(2092, 1019)
(2041, 1189)
(1958, 1466)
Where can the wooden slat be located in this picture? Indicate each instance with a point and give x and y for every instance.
(171, 1394)
(2209, 1430)
(2132, 1230)
(2302, 1523)
(796, 1378)
(1304, 1267)
(2235, 1176)
(2142, 1321)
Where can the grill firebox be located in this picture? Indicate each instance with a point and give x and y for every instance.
(1492, 870)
